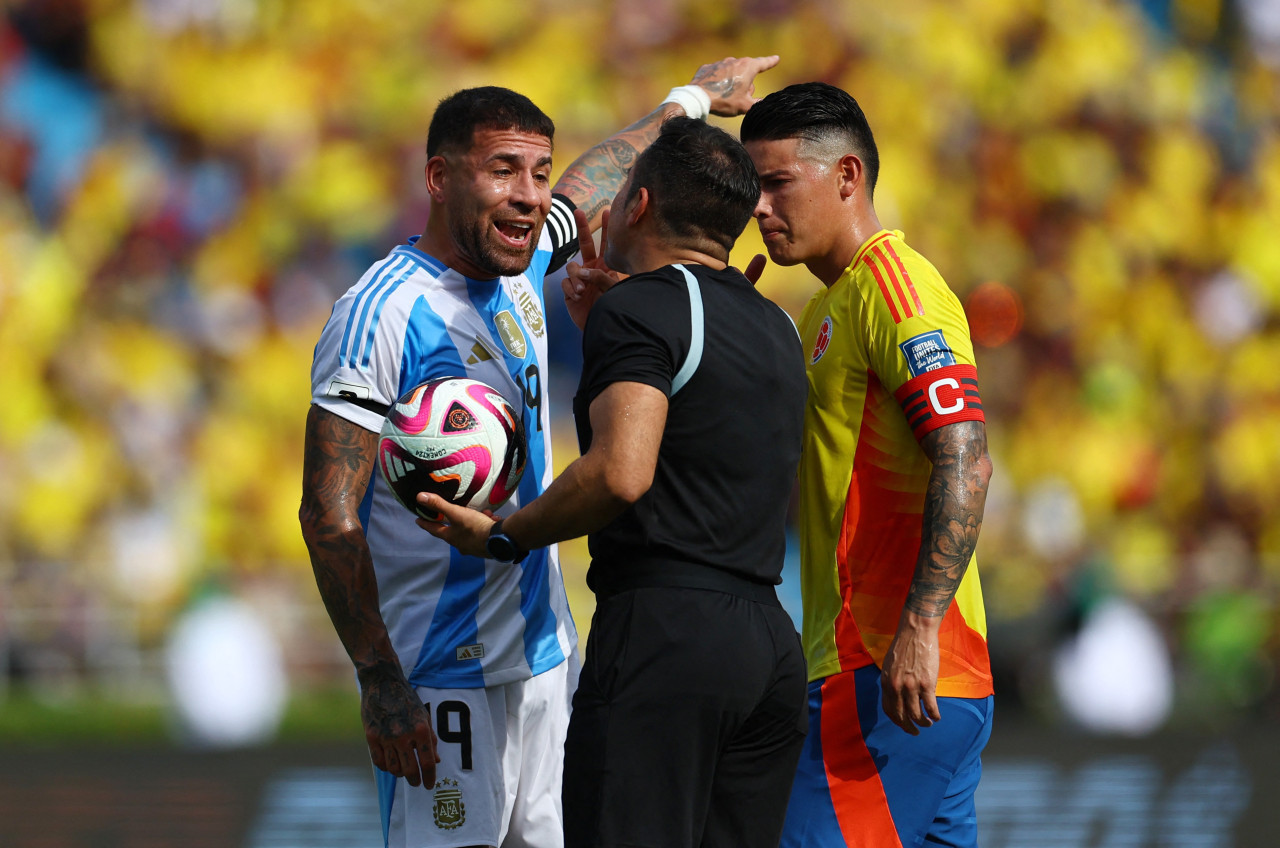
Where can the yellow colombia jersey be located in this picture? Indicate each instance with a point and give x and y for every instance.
(889, 360)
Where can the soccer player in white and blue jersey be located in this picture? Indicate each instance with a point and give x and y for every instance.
(484, 650)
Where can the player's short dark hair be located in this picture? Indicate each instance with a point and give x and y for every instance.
(700, 180)
(814, 111)
(488, 107)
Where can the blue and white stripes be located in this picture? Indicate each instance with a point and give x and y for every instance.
(455, 621)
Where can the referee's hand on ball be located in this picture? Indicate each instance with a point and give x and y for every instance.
(465, 528)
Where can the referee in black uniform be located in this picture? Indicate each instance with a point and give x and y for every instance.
(690, 711)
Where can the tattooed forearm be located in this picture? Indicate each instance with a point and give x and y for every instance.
(595, 176)
(337, 463)
(953, 507)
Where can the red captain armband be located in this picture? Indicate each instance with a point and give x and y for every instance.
(940, 397)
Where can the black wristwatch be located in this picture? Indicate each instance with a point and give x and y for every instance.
(502, 547)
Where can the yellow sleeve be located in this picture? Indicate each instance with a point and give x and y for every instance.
(917, 338)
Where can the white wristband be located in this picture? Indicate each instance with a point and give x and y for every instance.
(693, 99)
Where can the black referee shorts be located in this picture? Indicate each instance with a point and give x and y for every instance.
(687, 723)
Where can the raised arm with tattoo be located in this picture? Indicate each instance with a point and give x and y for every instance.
(598, 174)
(595, 176)
(953, 507)
(337, 465)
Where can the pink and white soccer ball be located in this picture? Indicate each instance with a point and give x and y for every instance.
(457, 438)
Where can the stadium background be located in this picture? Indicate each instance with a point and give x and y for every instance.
(186, 185)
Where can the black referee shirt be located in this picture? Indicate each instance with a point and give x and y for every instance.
(729, 453)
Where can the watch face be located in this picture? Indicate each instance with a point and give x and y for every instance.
(501, 548)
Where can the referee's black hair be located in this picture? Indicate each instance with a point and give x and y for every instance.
(814, 111)
(701, 182)
(488, 107)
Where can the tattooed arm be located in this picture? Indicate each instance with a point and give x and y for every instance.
(337, 464)
(953, 507)
(595, 176)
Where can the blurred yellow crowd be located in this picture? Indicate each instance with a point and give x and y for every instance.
(186, 187)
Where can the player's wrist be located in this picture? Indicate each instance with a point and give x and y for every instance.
(926, 623)
(379, 671)
(692, 98)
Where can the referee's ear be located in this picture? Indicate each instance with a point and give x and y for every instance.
(638, 207)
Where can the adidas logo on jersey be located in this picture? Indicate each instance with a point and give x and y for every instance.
(479, 353)
(471, 652)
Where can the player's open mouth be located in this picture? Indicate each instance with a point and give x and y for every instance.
(515, 232)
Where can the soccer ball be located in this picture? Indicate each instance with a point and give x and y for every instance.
(454, 437)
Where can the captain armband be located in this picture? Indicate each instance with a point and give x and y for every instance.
(939, 397)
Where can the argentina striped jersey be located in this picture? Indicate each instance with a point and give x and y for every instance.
(455, 621)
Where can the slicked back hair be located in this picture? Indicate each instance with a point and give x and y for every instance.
(819, 114)
(701, 182)
(489, 107)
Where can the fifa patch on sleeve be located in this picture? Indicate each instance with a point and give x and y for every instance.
(361, 396)
(945, 395)
(927, 352)
(347, 391)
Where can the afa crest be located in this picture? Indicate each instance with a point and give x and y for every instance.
(449, 811)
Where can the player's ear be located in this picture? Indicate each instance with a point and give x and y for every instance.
(849, 173)
(434, 176)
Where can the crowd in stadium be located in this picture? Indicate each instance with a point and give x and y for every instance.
(186, 187)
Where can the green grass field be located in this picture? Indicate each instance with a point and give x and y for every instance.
(326, 715)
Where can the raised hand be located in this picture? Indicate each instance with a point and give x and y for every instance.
(587, 280)
(731, 83)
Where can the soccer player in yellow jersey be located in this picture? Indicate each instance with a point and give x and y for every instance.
(893, 481)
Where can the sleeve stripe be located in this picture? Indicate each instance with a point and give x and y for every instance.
(905, 277)
(563, 232)
(377, 316)
(884, 290)
(562, 223)
(893, 277)
(862, 251)
(557, 231)
(367, 322)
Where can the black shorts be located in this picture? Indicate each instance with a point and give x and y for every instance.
(687, 723)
